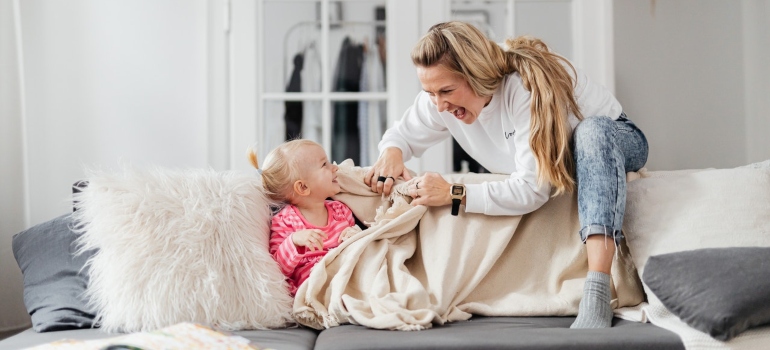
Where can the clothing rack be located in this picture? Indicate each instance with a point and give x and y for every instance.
(333, 25)
(347, 125)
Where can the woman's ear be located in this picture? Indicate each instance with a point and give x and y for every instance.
(300, 188)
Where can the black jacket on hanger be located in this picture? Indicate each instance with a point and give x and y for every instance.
(345, 134)
(293, 114)
(459, 155)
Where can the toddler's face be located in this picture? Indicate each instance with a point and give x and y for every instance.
(319, 174)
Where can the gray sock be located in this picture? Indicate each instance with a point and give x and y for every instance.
(594, 310)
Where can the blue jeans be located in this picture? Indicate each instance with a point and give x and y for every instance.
(604, 150)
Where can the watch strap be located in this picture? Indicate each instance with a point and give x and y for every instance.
(456, 206)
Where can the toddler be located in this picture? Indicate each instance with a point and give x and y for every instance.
(298, 173)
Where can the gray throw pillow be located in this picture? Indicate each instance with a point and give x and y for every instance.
(719, 291)
(54, 279)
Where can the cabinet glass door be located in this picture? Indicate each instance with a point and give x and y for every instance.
(323, 76)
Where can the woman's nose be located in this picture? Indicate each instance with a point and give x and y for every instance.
(441, 104)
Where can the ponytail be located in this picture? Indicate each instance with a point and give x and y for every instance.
(252, 155)
(543, 73)
(280, 169)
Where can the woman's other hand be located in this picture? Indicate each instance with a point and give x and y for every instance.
(389, 167)
(430, 190)
(312, 239)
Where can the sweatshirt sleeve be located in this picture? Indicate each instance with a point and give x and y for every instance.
(519, 194)
(419, 129)
(282, 248)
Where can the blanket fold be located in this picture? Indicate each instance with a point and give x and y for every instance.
(417, 266)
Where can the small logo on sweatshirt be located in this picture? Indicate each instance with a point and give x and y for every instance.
(509, 134)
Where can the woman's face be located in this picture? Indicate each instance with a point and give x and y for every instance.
(451, 92)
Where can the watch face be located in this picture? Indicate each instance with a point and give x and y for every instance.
(457, 190)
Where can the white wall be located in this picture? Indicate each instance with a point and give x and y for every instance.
(12, 312)
(218, 83)
(110, 81)
(693, 75)
(105, 81)
(756, 56)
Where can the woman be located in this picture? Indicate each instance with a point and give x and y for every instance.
(527, 112)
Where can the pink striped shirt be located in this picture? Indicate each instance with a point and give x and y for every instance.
(295, 261)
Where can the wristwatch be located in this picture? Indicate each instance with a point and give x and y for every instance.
(457, 191)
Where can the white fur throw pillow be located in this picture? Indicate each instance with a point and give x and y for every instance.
(180, 246)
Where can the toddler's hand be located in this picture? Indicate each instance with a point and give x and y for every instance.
(349, 232)
(312, 239)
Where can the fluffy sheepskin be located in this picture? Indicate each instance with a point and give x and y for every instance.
(180, 246)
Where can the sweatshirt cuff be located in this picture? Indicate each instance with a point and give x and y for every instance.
(406, 153)
(474, 198)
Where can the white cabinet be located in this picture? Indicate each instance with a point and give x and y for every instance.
(352, 73)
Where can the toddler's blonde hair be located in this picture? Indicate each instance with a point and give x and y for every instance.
(281, 168)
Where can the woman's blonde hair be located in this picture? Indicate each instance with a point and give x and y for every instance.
(281, 168)
(464, 50)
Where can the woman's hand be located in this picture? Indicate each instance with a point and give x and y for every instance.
(430, 190)
(387, 168)
(312, 239)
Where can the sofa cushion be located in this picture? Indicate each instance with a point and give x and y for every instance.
(716, 208)
(180, 245)
(721, 291)
(54, 278)
(504, 333)
(283, 339)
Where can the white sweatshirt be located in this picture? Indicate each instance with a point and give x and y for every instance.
(498, 140)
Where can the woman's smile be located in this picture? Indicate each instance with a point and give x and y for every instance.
(451, 93)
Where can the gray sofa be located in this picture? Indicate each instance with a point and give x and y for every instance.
(691, 269)
(477, 333)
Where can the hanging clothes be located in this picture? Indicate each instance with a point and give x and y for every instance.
(371, 114)
(312, 128)
(459, 156)
(293, 115)
(347, 78)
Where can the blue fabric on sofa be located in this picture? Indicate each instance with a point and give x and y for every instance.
(719, 291)
(54, 279)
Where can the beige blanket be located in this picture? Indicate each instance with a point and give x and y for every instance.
(416, 266)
